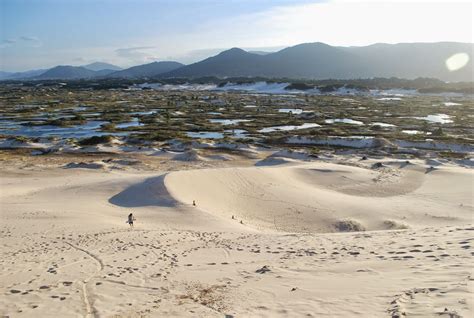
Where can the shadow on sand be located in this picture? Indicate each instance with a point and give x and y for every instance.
(151, 192)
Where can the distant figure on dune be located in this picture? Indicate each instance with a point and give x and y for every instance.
(194, 203)
(130, 219)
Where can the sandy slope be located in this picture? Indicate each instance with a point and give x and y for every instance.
(324, 197)
(67, 252)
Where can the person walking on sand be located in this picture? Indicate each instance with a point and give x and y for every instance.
(130, 219)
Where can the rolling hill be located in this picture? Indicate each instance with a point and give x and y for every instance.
(67, 72)
(147, 70)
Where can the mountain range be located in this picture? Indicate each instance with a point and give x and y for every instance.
(21, 75)
(322, 61)
(303, 61)
(69, 72)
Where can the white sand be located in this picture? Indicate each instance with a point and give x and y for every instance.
(67, 251)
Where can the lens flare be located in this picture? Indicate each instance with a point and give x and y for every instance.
(457, 61)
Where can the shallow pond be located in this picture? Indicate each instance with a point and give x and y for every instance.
(288, 127)
(389, 98)
(343, 121)
(414, 132)
(89, 129)
(237, 133)
(205, 134)
(295, 111)
(148, 112)
(134, 123)
(438, 118)
(382, 124)
(229, 121)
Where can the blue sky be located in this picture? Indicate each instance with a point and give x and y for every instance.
(44, 33)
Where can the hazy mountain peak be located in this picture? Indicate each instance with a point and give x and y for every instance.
(147, 70)
(235, 51)
(309, 47)
(99, 66)
(260, 52)
(164, 62)
(67, 72)
(312, 44)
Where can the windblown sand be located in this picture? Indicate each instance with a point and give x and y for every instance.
(290, 239)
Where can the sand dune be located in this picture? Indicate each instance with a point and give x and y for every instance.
(67, 252)
(322, 197)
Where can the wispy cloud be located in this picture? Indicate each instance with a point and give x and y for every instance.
(31, 41)
(136, 54)
(24, 40)
(79, 59)
(7, 43)
(29, 38)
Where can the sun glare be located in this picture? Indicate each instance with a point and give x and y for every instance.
(457, 61)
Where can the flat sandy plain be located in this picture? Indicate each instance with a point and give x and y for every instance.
(271, 237)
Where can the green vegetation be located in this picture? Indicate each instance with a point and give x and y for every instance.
(95, 140)
(158, 116)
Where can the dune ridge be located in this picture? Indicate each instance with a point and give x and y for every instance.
(320, 197)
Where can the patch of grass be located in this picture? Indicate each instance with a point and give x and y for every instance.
(95, 140)
(453, 155)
